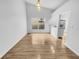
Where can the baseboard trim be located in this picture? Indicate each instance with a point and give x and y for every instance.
(72, 49)
(41, 32)
(2, 55)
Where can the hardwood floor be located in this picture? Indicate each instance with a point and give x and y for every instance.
(40, 46)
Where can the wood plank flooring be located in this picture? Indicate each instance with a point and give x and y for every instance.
(40, 46)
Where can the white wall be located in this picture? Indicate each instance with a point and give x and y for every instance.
(12, 24)
(32, 12)
(73, 28)
(72, 40)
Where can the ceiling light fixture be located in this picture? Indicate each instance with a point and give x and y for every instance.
(38, 4)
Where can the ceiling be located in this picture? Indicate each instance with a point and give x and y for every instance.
(52, 4)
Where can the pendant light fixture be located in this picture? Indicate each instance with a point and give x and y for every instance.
(38, 4)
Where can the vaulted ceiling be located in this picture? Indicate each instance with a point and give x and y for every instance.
(51, 4)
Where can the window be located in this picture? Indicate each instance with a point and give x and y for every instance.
(38, 24)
